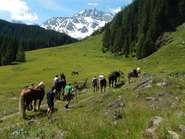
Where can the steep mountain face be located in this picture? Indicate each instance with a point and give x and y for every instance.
(79, 25)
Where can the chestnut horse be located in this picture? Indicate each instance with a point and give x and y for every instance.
(31, 94)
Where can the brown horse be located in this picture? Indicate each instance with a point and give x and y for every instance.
(102, 85)
(31, 94)
(134, 74)
(114, 77)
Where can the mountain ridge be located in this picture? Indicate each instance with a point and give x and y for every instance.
(79, 25)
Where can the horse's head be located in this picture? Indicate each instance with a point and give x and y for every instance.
(121, 73)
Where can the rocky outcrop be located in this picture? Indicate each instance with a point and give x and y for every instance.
(173, 135)
(115, 109)
(150, 132)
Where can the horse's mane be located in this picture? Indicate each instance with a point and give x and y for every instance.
(41, 85)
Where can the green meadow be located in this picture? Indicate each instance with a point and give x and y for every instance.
(88, 116)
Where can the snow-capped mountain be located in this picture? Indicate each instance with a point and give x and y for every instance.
(79, 25)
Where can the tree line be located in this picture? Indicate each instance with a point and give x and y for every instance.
(17, 38)
(135, 30)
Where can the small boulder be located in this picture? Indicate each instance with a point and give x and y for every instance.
(144, 84)
(32, 121)
(115, 109)
(117, 115)
(164, 94)
(118, 103)
(150, 133)
(60, 135)
(154, 123)
(84, 90)
(149, 98)
(182, 128)
(162, 84)
(173, 135)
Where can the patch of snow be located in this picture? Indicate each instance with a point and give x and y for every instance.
(81, 25)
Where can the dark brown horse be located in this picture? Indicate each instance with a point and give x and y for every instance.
(102, 85)
(60, 85)
(31, 94)
(114, 77)
(134, 74)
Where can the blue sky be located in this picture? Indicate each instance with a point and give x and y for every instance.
(38, 11)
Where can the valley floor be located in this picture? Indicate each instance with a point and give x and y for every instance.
(119, 112)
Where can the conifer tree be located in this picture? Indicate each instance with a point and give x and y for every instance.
(20, 57)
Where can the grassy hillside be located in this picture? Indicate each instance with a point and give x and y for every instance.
(91, 116)
(171, 57)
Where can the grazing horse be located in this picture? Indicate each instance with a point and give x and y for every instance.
(134, 74)
(114, 77)
(74, 73)
(31, 94)
(102, 85)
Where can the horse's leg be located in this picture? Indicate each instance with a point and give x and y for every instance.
(59, 92)
(29, 107)
(109, 83)
(24, 111)
(39, 104)
(76, 96)
(62, 92)
(26, 106)
(35, 103)
(101, 89)
(115, 82)
(128, 79)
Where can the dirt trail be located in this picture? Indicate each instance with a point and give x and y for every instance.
(9, 116)
(44, 105)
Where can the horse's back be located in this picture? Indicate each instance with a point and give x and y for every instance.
(35, 94)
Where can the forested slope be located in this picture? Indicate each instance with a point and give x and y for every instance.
(15, 38)
(138, 29)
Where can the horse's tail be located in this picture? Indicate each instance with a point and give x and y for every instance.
(22, 106)
(105, 83)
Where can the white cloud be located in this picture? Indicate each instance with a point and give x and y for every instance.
(18, 10)
(93, 4)
(116, 10)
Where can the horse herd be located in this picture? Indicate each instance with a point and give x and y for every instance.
(30, 95)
